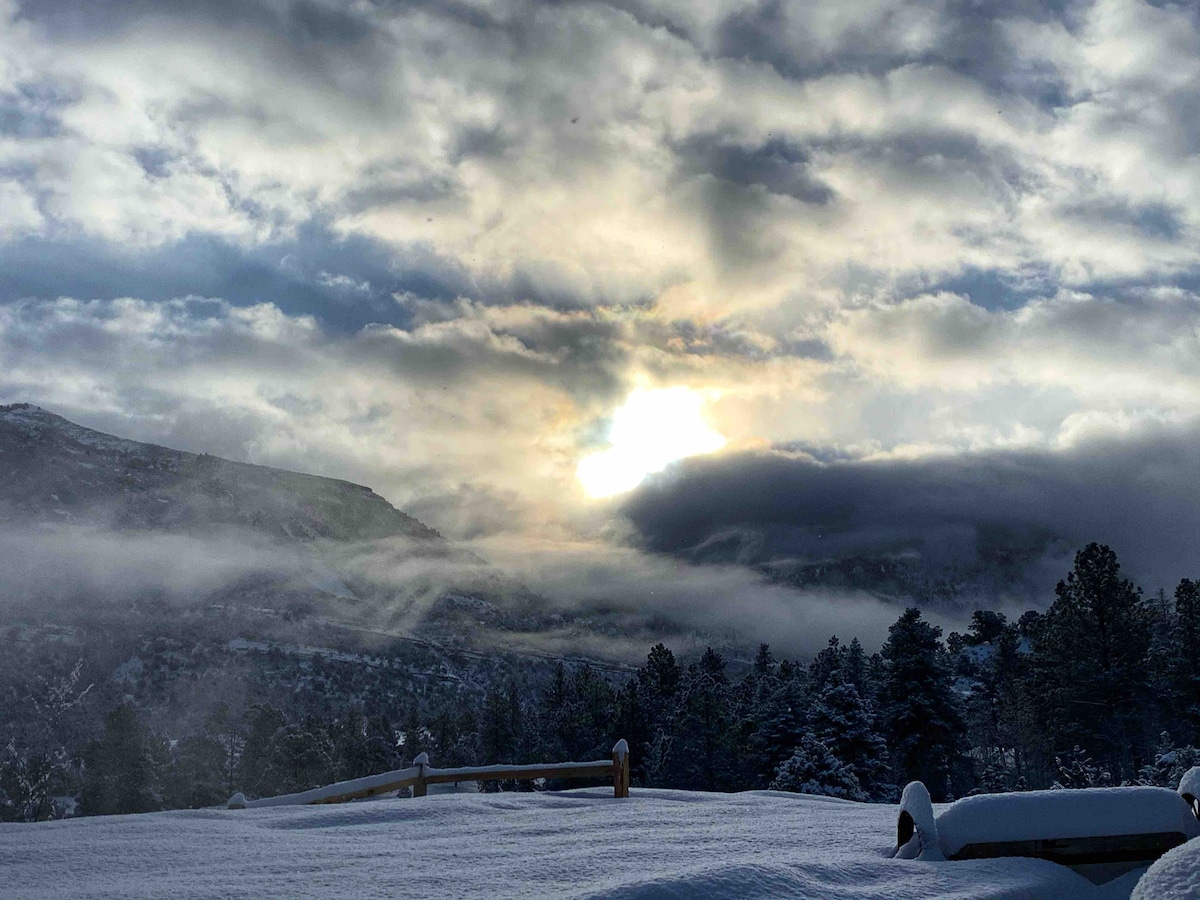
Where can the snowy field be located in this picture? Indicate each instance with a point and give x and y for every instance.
(656, 844)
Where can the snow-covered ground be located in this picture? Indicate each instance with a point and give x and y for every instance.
(1176, 876)
(584, 843)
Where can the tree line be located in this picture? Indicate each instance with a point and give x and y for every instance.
(1102, 688)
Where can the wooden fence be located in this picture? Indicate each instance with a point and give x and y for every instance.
(421, 774)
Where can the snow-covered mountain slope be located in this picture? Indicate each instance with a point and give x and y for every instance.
(579, 844)
(54, 471)
(117, 551)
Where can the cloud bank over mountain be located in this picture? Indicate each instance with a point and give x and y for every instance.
(1026, 509)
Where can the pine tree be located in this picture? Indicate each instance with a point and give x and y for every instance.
(122, 770)
(705, 761)
(1089, 659)
(225, 728)
(661, 676)
(991, 781)
(1186, 652)
(855, 668)
(780, 719)
(814, 769)
(382, 752)
(555, 715)
(497, 738)
(255, 774)
(658, 686)
(1170, 763)
(764, 662)
(632, 722)
(302, 756)
(826, 665)
(922, 722)
(1076, 769)
(414, 740)
(593, 706)
(845, 723)
(989, 654)
(197, 774)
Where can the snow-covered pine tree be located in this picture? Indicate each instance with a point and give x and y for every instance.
(1089, 661)
(814, 769)
(855, 667)
(764, 662)
(826, 665)
(780, 719)
(922, 723)
(657, 684)
(1077, 770)
(845, 723)
(1186, 652)
(705, 748)
(991, 781)
(1170, 763)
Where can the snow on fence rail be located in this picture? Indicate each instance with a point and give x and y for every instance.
(420, 775)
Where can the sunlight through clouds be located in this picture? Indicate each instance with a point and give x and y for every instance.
(652, 429)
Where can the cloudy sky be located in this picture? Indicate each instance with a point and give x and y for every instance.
(856, 249)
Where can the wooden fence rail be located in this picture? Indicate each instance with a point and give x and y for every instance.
(421, 774)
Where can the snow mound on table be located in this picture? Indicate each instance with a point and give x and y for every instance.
(1175, 876)
(923, 843)
(1190, 782)
(1091, 812)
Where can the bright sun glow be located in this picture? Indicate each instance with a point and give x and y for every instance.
(652, 429)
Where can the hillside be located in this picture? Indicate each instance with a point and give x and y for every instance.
(238, 536)
(59, 472)
(181, 581)
(578, 844)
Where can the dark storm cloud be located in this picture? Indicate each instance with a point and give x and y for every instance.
(1141, 495)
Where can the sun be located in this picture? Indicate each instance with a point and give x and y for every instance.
(652, 429)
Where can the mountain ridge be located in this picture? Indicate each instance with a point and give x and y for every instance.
(59, 471)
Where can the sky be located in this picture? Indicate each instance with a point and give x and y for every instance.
(500, 260)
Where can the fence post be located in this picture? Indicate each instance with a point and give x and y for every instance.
(420, 788)
(621, 769)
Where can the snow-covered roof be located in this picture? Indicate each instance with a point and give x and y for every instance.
(1051, 815)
